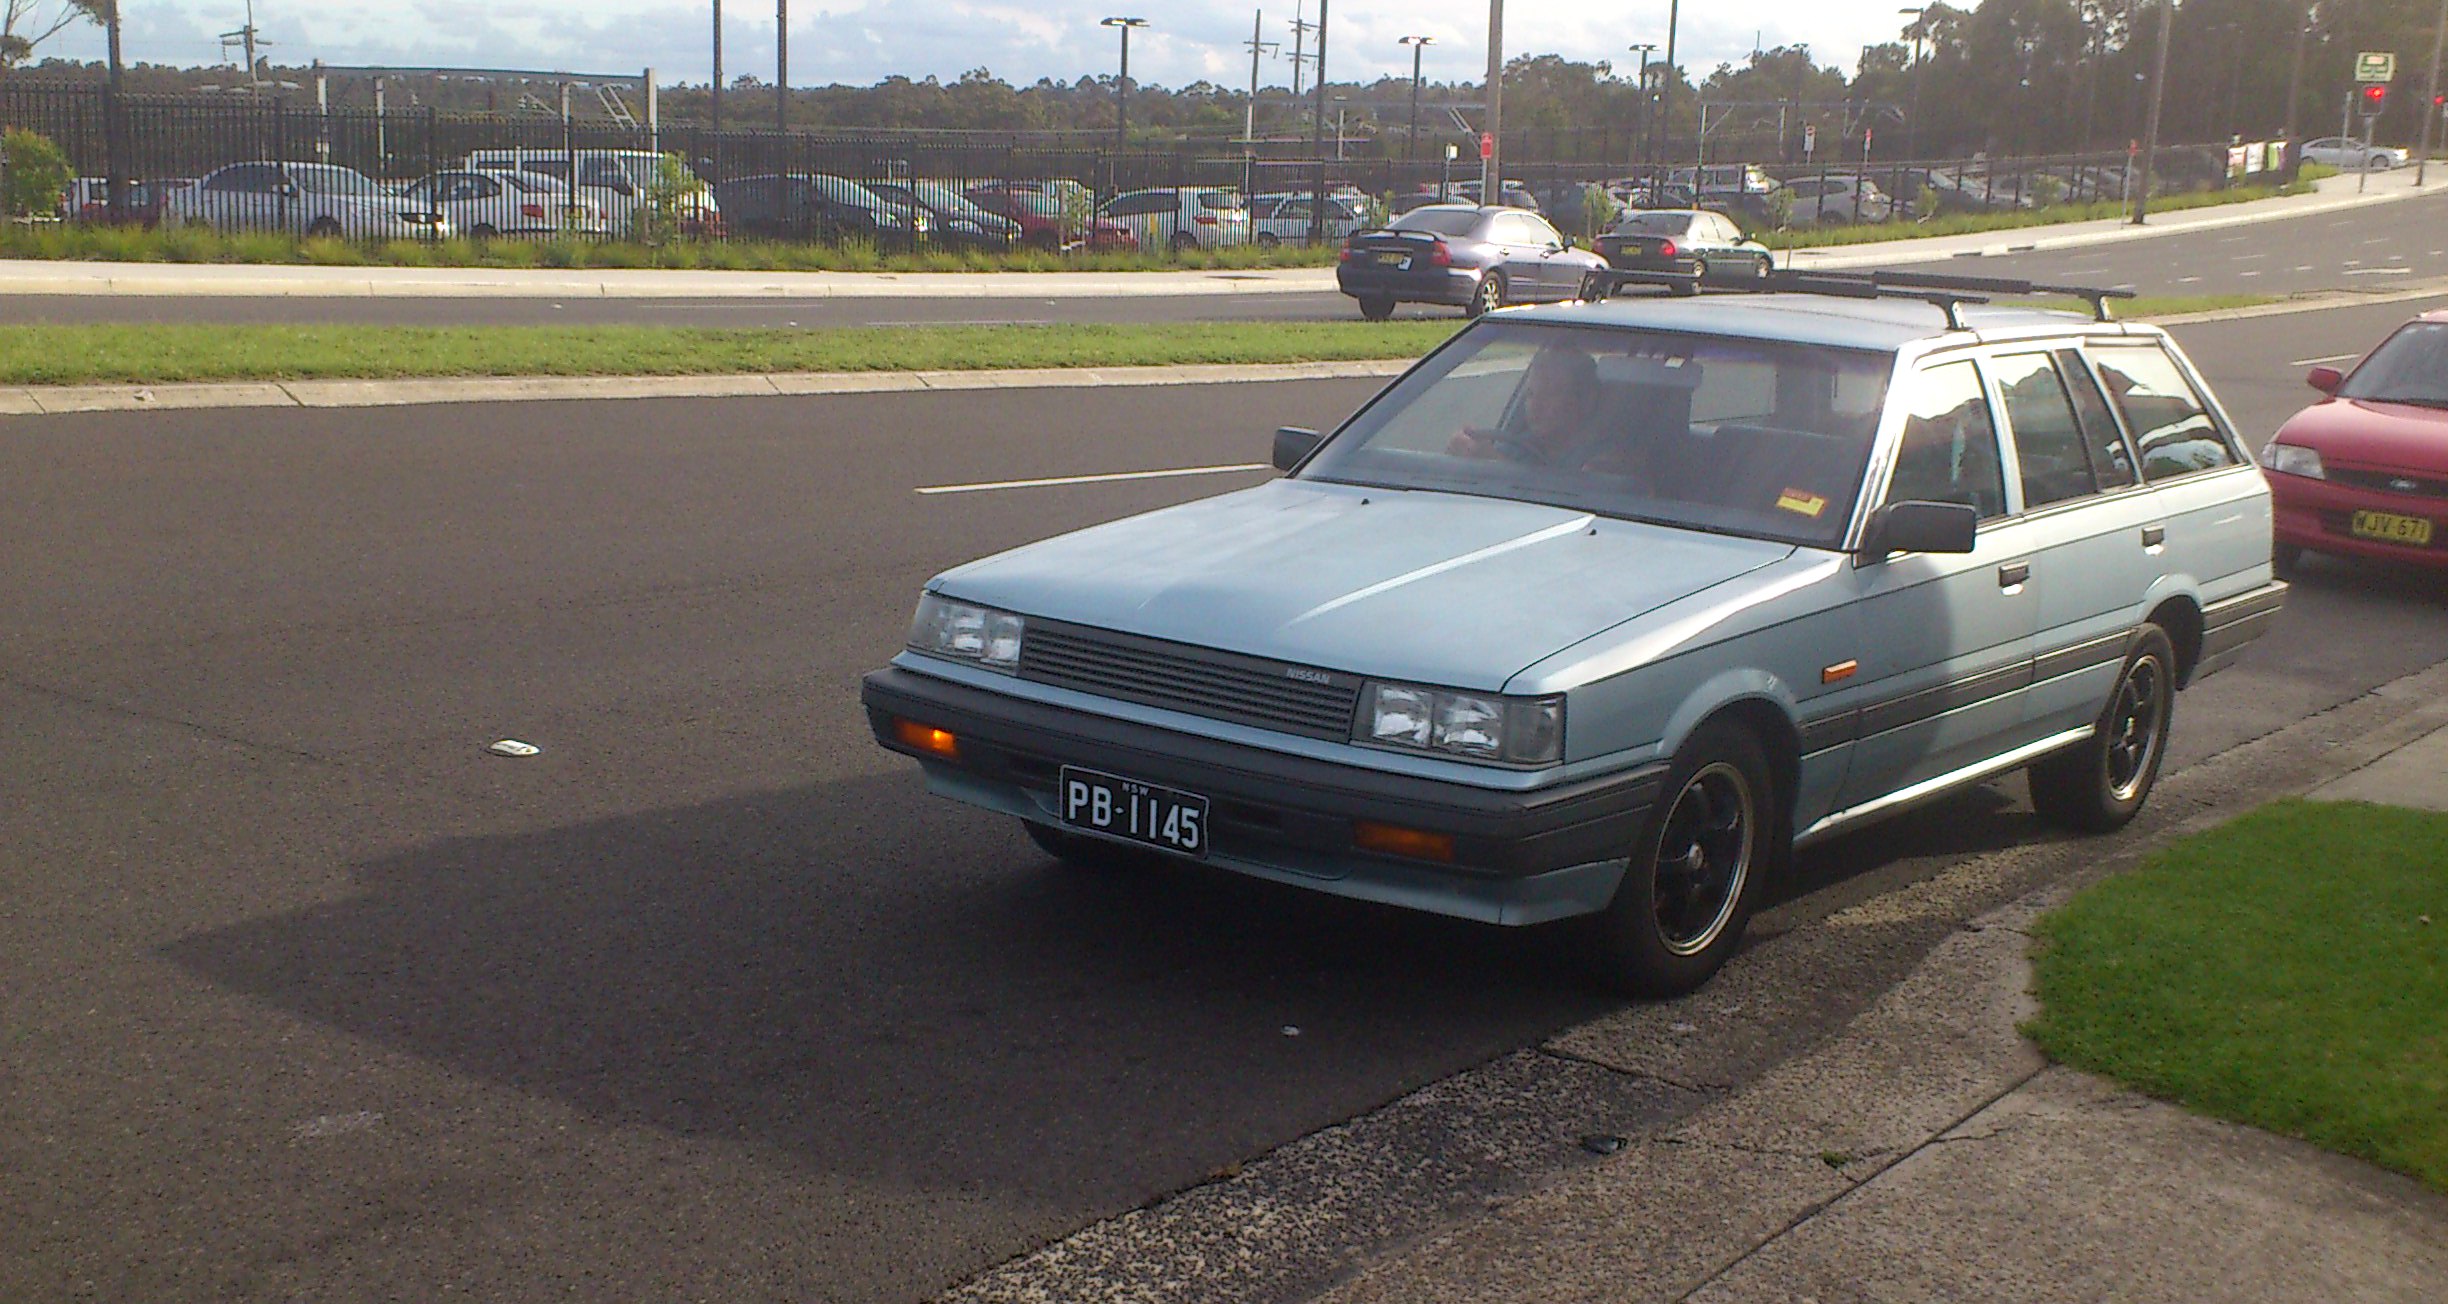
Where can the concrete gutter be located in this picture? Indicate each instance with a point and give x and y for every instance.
(45, 400)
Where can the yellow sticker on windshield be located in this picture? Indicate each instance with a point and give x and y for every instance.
(1794, 500)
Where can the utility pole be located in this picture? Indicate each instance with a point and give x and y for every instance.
(1640, 106)
(2150, 128)
(1674, 19)
(2430, 105)
(715, 110)
(1491, 168)
(781, 64)
(115, 124)
(1257, 47)
(1122, 86)
(1317, 201)
(1419, 45)
(1300, 32)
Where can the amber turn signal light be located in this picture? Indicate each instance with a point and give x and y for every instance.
(1390, 840)
(927, 738)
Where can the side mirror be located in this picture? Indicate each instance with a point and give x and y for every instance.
(1292, 443)
(1568, 243)
(1920, 527)
(2325, 379)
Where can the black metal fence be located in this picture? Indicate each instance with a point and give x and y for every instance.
(166, 140)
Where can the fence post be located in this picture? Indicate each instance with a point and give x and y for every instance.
(433, 168)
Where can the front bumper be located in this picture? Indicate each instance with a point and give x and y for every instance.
(1520, 857)
(2317, 514)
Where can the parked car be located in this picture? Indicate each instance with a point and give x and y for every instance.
(1724, 176)
(1401, 204)
(816, 206)
(1477, 259)
(1684, 242)
(956, 221)
(88, 200)
(1837, 198)
(1048, 221)
(623, 182)
(2347, 154)
(1180, 217)
(313, 199)
(1512, 194)
(1642, 194)
(1602, 610)
(487, 204)
(1284, 219)
(2364, 471)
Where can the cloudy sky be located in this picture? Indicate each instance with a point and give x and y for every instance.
(858, 41)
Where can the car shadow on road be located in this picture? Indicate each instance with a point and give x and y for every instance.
(871, 982)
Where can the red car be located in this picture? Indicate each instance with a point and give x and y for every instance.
(2364, 472)
(1042, 220)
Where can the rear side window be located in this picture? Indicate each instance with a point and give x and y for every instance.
(1949, 453)
(2048, 444)
(1218, 199)
(2171, 426)
(2111, 460)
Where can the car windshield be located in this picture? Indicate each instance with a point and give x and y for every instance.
(1438, 221)
(324, 179)
(1218, 199)
(937, 195)
(533, 185)
(1654, 223)
(846, 192)
(1759, 438)
(2410, 366)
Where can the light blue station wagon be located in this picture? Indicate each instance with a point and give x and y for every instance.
(1602, 609)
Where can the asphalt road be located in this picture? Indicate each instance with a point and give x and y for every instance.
(2379, 247)
(306, 996)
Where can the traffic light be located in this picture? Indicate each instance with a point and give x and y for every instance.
(2375, 98)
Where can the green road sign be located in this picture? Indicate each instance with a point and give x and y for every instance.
(2376, 66)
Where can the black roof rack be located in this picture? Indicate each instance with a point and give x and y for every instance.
(1946, 293)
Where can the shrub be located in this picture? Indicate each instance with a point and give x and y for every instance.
(37, 174)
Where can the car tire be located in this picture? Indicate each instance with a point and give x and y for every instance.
(1591, 287)
(323, 228)
(2286, 558)
(2382, 162)
(1716, 830)
(1764, 268)
(1488, 297)
(1268, 240)
(2100, 784)
(1080, 852)
(1375, 308)
(482, 232)
(1184, 242)
(1686, 289)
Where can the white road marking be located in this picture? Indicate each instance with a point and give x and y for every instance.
(1107, 478)
(2246, 258)
(2241, 275)
(2334, 357)
(2379, 271)
(2305, 268)
(2186, 280)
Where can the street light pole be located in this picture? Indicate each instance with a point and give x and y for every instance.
(1912, 123)
(1640, 106)
(781, 65)
(1674, 19)
(1317, 137)
(115, 124)
(1418, 44)
(2150, 126)
(1122, 86)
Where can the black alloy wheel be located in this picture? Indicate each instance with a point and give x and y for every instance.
(1686, 894)
(2100, 783)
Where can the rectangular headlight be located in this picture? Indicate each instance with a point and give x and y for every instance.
(1474, 726)
(2293, 459)
(965, 632)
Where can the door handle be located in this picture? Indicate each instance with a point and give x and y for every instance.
(2013, 574)
(2153, 535)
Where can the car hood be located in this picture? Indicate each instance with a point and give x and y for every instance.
(1430, 587)
(2388, 436)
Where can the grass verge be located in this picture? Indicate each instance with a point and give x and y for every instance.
(2015, 219)
(2288, 970)
(162, 353)
(94, 243)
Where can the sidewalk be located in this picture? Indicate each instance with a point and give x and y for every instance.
(1930, 1153)
(23, 276)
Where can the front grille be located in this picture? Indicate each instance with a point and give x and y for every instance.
(1200, 681)
(2392, 482)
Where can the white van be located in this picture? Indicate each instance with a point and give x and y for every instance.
(619, 180)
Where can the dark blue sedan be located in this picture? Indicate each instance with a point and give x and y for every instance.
(1466, 257)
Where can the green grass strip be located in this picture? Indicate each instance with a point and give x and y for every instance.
(161, 353)
(2288, 970)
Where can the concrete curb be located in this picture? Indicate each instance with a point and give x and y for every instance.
(61, 399)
